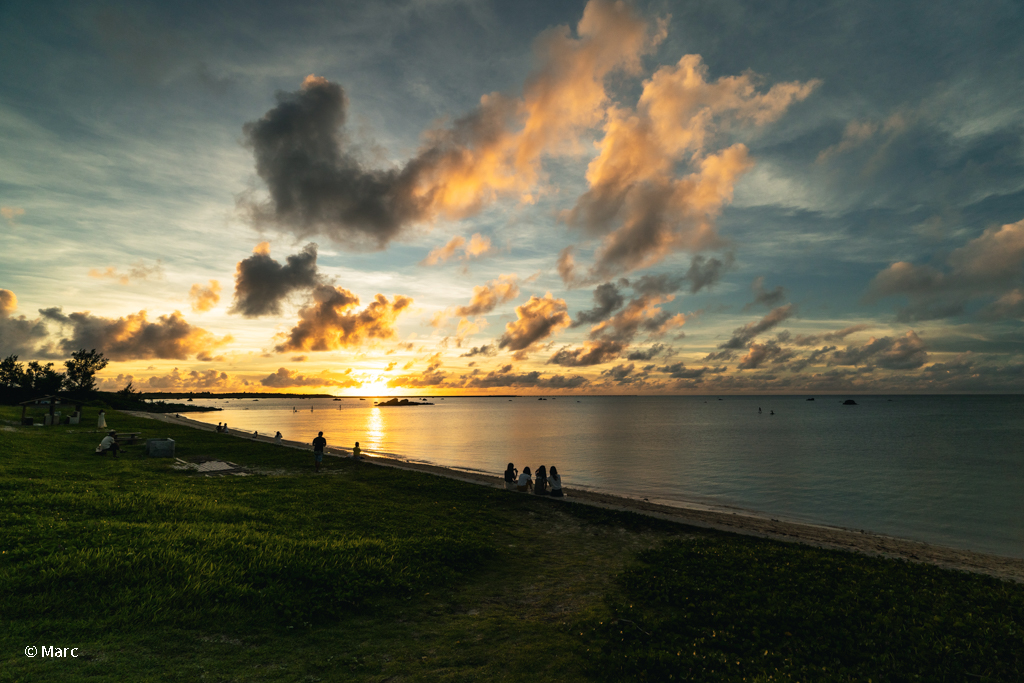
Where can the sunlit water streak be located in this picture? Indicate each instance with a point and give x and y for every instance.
(941, 469)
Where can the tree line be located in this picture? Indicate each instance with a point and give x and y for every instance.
(21, 381)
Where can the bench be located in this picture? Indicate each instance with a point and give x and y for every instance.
(128, 438)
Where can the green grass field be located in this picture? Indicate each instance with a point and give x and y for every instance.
(367, 573)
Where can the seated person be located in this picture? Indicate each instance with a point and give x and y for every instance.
(511, 474)
(556, 483)
(109, 444)
(541, 487)
(525, 481)
(278, 437)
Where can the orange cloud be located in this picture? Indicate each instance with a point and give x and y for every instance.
(328, 324)
(537, 319)
(634, 192)
(486, 297)
(8, 302)
(204, 298)
(478, 245)
(285, 378)
(138, 271)
(134, 336)
(11, 213)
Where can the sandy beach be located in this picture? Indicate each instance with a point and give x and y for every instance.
(1007, 568)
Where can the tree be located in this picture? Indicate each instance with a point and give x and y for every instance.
(42, 379)
(12, 373)
(82, 369)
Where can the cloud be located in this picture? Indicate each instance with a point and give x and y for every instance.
(764, 297)
(329, 323)
(643, 313)
(592, 353)
(285, 378)
(8, 302)
(607, 298)
(1008, 306)
(478, 245)
(261, 283)
(858, 133)
(204, 298)
(835, 335)
(11, 214)
(680, 371)
(318, 184)
(650, 353)
(485, 350)
(193, 379)
(134, 336)
(761, 353)
(991, 265)
(893, 353)
(138, 271)
(486, 297)
(741, 336)
(635, 197)
(536, 319)
(18, 335)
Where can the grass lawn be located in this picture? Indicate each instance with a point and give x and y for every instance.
(375, 574)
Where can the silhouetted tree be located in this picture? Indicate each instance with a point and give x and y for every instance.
(81, 371)
(12, 373)
(42, 379)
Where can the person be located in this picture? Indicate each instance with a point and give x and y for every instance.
(511, 473)
(218, 427)
(319, 443)
(224, 429)
(758, 411)
(109, 444)
(541, 487)
(278, 437)
(101, 423)
(356, 450)
(255, 435)
(771, 412)
(525, 482)
(556, 483)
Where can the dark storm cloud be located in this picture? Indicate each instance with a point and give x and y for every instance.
(316, 182)
(261, 283)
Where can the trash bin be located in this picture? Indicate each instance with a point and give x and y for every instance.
(159, 448)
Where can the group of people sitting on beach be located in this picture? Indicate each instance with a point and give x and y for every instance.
(547, 484)
(222, 428)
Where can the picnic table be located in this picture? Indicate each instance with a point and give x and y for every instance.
(128, 437)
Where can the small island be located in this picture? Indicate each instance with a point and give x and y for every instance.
(403, 402)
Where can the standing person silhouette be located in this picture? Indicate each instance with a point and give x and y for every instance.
(319, 443)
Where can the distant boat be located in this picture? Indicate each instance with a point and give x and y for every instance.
(362, 399)
(810, 399)
(337, 399)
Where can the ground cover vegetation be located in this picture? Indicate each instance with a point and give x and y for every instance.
(372, 573)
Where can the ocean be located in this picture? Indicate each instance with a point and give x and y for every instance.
(947, 470)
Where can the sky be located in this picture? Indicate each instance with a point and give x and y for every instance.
(428, 197)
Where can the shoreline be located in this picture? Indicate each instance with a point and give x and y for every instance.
(822, 536)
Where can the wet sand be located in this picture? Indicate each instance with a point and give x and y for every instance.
(1008, 568)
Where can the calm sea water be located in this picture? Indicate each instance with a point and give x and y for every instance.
(941, 469)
